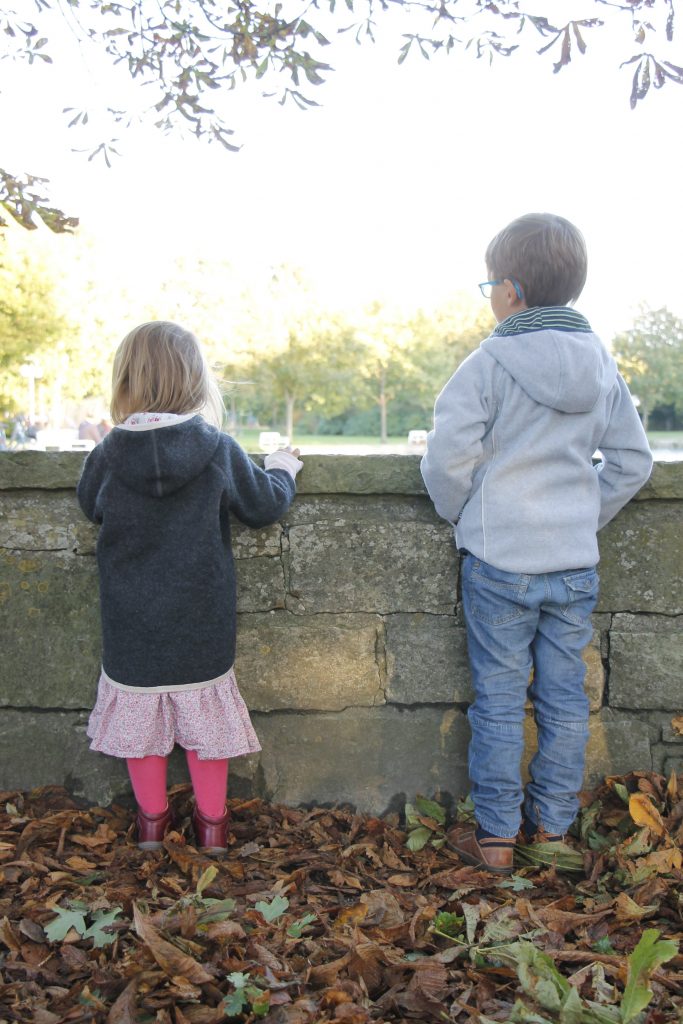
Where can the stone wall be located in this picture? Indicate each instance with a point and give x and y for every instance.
(351, 643)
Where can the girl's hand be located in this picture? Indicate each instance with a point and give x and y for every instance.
(292, 451)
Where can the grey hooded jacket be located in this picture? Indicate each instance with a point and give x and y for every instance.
(167, 575)
(515, 429)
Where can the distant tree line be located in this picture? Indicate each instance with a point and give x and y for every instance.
(287, 362)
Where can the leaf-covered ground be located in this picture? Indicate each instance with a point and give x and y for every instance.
(327, 915)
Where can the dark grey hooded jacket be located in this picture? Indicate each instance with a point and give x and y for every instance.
(167, 575)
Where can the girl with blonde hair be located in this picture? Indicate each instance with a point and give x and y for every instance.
(162, 485)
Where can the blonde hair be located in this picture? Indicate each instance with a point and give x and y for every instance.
(545, 254)
(160, 367)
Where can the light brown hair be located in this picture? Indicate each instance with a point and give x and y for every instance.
(545, 254)
(160, 367)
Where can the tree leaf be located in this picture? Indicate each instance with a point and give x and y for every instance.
(100, 920)
(169, 957)
(296, 928)
(644, 812)
(431, 809)
(57, 929)
(418, 838)
(206, 878)
(271, 911)
(645, 958)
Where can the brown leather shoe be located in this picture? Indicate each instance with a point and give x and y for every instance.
(152, 828)
(211, 833)
(497, 859)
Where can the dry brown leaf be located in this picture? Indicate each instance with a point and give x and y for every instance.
(382, 909)
(662, 861)
(644, 813)
(628, 910)
(123, 1009)
(405, 881)
(7, 936)
(225, 931)
(168, 956)
(351, 916)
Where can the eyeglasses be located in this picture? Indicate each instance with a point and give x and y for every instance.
(486, 287)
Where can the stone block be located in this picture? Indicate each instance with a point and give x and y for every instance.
(51, 630)
(671, 765)
(339, 509)
(372, 758)
(260, 584)
(641, 569)
(41, 748)
(426, 660)
(366, 474)
(666, 481)
(616, 745)
(668, 733)
(594, 683)
(40, 470)
(38, 520)
(250, 543)
(321, 662)
(646, 662)
(367, 566)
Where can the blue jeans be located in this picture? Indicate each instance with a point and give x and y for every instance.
(517, 622)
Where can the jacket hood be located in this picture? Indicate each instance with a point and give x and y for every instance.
(565, 370)
(159, 461)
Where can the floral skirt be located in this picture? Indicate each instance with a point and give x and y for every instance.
(212, 720)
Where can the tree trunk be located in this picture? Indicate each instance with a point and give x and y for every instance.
(289, 415)
(383, 437)
(645, 414)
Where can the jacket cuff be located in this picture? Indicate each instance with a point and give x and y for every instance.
(283, 460)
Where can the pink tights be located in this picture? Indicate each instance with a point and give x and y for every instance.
(209, 781)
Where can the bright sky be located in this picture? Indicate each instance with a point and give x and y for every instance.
(394, 186)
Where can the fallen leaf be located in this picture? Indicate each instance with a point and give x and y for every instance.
(169, 957)
(644, 813)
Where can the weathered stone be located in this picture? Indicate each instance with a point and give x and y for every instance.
(374, 567)
(38, 521)
(51, 629)
(667, 732)
(641, 565)
(250, 543)
(40, 748)
(671, 765)
(321, 662)
(594, 683)
(43, 470)
(372, 758)
(426, 660)
(326, 509)
(616, 745)
(666, 481)
(260, 584)
(367, 474)
(322, 474)
(646, 662)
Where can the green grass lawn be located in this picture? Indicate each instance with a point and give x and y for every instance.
(665, 438)
(249, 440)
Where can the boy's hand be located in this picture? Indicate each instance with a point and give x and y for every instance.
(292, 451)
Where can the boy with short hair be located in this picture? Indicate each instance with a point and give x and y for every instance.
(509, 462)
